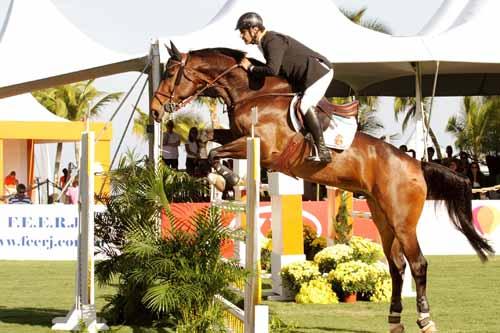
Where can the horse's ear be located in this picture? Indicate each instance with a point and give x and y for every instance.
(170, 53)
(176, 55)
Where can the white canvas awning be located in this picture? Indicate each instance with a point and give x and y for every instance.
(40, 48)
(25, 108)
(373, 63)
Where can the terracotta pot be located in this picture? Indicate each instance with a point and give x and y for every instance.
(350, 298)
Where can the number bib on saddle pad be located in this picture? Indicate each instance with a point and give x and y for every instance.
(340, 131)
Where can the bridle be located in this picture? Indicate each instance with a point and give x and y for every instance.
(168, 103)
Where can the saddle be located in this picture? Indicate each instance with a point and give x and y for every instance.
(325, 110)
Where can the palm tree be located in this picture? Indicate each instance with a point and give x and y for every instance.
(163, 275)
(473, 126)
(406, 106)
(357, 16)
(212, 104)
(75, 102)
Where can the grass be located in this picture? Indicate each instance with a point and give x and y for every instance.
(463, 294)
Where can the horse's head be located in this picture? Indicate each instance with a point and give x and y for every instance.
(187, 76)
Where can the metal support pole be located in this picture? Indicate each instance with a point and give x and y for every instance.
(154, 128)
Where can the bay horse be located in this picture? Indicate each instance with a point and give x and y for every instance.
(395, 185)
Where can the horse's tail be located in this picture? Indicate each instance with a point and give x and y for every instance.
(456, 191)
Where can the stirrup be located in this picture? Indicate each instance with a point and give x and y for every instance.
(314, 157)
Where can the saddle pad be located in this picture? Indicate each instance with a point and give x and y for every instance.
(340, 131)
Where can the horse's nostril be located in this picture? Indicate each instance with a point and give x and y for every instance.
(156, 114)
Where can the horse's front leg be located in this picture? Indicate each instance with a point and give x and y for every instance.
(235, 149)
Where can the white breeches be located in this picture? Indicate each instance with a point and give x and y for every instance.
(316, 91)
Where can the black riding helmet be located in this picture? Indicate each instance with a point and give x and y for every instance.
(249, 20)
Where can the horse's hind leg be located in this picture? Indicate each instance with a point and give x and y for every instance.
(404, 220)
(396, 262)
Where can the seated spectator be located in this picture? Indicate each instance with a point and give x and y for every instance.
(10, 182)
(403, 148)
(20, 197)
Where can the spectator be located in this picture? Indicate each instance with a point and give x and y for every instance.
(20, 197)
(10, 182)
(453, 165)
(192, 151)
(64, 178)
(203, 165)
(463, 166)
(449, 156)
(412, 153)
(72, 193)
(171, 142)
(477, 179)
(403, 148)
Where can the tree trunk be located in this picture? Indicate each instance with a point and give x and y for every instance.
(77, 153)
(57, 164)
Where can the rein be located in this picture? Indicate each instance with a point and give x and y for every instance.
(182, 72)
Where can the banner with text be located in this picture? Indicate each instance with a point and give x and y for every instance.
(38, 232)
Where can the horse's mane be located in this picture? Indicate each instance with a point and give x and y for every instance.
(237, 55)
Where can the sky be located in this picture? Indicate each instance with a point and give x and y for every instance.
(128, 26)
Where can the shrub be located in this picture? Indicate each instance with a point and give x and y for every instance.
(295, 274)
(328, 258)
(168, 279)
(365, 250)
(350, 277)
(266, 248)
(312, 243)
(370, 281)
(317, 291)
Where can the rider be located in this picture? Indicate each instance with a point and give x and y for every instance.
(306, 70)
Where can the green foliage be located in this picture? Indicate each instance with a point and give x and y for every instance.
(312, 243)
(75, 101)
(328, 258)
(167, 276)
(295, 274)
(266, 249)
(317, 291)
(365, 250)
(477, 126)
(343, 228)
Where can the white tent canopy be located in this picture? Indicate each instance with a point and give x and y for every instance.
(25, 108)
(373, 63)
(35, 54)
(367, 62)
(322, 27)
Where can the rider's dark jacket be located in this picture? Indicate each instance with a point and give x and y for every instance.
(291, 59)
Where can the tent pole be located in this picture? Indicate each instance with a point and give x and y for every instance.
(421, 132)
(154, 128)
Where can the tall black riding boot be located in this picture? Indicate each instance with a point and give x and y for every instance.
(314, 127)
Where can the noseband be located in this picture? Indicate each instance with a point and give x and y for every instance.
(168, 103)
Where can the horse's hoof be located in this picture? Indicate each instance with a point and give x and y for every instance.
(400, 328)
(429, 328)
